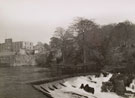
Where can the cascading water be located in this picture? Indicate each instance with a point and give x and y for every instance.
(132, 86)
(71, 88)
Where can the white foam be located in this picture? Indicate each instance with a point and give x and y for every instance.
(73, 88)
(131, 87)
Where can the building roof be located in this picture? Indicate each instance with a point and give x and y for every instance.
(7, 53)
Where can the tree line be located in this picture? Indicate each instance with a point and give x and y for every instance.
(86, 43)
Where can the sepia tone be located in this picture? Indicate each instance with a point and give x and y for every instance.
(67, 49)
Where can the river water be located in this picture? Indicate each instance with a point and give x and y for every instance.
(13, 81)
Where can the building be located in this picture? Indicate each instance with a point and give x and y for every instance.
(11, 46)
(16, 53)
(40, 49)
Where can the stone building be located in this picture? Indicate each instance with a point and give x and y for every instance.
(16, 53)
(40, 49)
(11, 46)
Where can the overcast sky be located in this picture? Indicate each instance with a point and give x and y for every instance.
(36, 20)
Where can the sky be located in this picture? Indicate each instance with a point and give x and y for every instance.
(36, 20)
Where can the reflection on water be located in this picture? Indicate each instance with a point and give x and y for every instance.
(13, 79)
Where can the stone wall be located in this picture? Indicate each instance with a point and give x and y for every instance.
(7, 60)
(21, 60)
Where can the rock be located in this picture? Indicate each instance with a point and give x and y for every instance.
(90, 78)
(113, 78)
(89, 89)
(119, 87)
(82, 86)
(128, 80)
(117, 76)
(104, 73)
(118, 81)
(93, 82)
(97, 75)
(107, 87)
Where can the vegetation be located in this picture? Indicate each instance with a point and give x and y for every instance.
(88, 44)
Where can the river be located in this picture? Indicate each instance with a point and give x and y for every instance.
(13, 81)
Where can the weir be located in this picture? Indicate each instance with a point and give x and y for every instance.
(70, 88)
